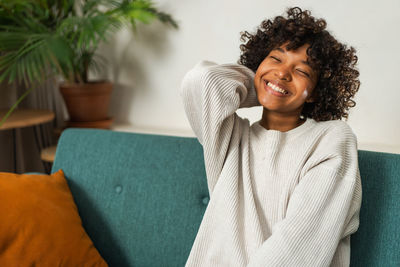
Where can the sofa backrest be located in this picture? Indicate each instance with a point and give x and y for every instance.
(142, 197)
(377, 241)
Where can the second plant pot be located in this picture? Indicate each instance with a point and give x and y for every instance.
(87, 103)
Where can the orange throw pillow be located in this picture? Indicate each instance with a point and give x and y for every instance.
(40, 224)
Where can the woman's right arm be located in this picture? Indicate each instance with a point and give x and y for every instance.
(211, 95)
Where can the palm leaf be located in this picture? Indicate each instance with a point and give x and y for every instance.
(30, 55)
(15, 105)
(63, 35)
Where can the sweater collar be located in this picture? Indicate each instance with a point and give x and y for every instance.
(261, 131)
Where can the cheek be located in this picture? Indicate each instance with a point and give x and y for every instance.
(258, 83)
(305, 94)
(257, 75)
(261, 69)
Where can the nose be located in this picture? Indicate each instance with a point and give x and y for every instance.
(283, 74)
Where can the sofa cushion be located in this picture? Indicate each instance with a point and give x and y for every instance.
(40, 224)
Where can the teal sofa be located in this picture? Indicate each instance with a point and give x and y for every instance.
(142, 197)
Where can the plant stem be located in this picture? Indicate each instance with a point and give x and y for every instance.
(14, 106)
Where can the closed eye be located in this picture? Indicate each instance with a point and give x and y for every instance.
(275, 58)
(303, 72)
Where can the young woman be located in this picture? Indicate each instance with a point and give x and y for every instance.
(286, 190)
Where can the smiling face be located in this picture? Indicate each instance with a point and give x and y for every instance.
(285, 81)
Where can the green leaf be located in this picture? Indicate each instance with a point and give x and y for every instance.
(142, 15)
(60, 49)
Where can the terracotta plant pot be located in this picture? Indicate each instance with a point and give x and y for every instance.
(87, 102)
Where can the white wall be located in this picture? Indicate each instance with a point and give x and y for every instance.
(147, 68)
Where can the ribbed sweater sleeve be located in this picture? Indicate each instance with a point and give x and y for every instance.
(211, 94)
(323, 209)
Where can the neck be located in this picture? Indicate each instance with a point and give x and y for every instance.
(280, 122)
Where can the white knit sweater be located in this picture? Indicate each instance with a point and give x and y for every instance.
(276, 198)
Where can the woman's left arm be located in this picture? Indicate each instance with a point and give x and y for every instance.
(323, 209)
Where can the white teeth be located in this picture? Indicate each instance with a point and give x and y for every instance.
(276, 88)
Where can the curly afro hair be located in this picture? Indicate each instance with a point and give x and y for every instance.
(335, 63)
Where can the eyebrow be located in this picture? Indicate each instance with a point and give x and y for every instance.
(283, 51)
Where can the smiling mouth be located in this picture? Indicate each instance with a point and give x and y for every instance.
(276, 88)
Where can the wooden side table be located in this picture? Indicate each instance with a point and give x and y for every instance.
(21, 118)
(48, 154)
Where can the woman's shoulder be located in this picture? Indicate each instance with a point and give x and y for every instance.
(336, 129)
(333, 137)
(334, 142)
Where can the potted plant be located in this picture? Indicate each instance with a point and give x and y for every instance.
(40, 38)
